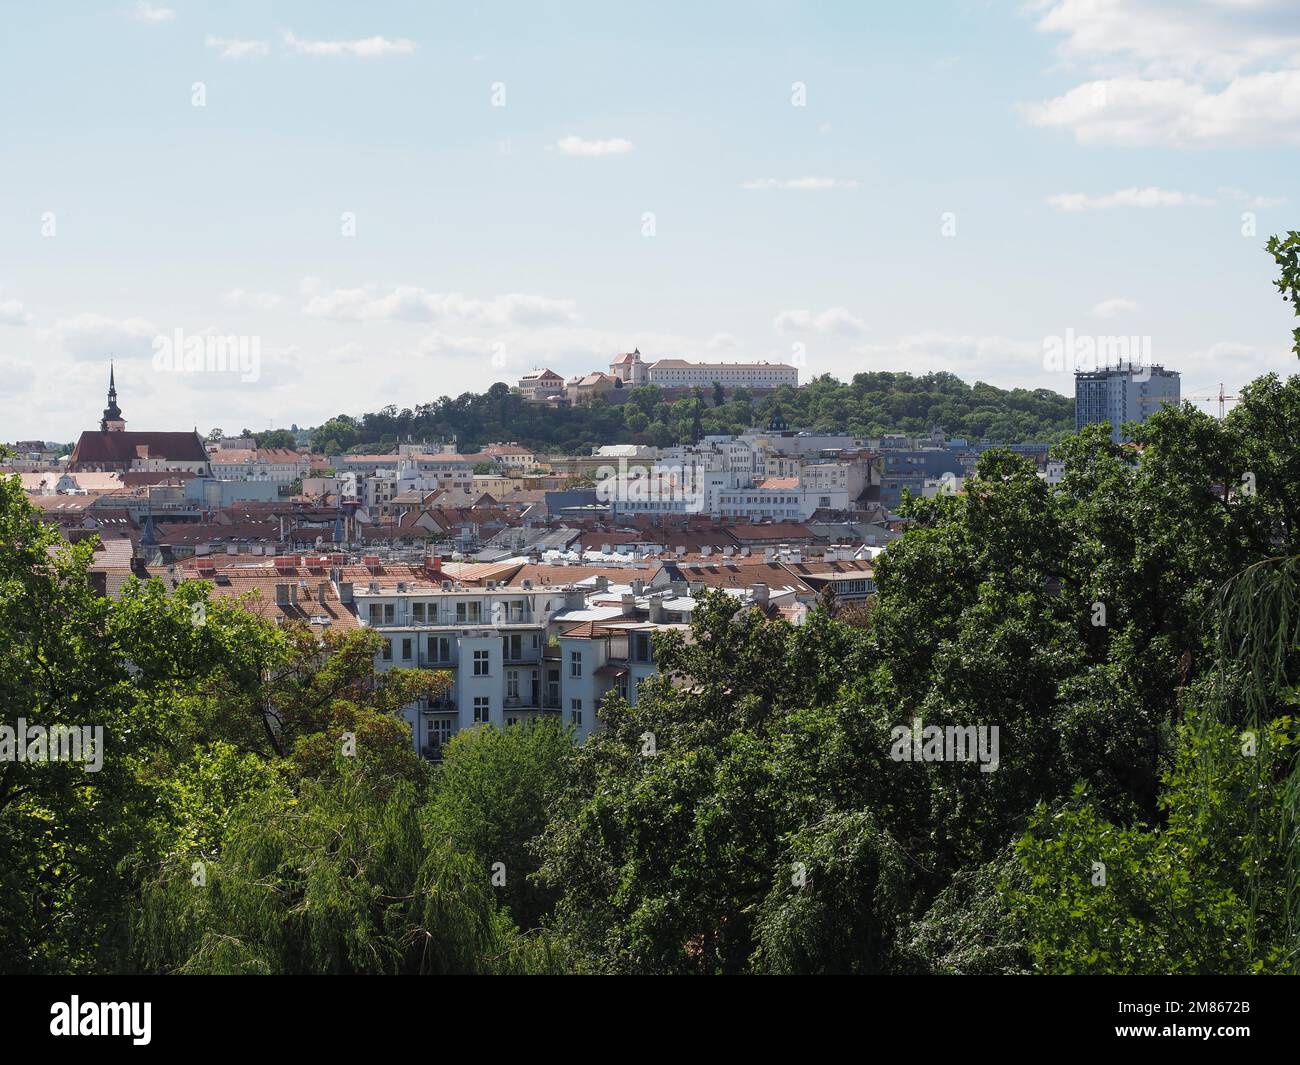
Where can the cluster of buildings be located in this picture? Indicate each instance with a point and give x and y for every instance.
(673, 376)
(537, 582)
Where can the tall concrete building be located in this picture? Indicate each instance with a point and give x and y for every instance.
(1124, 393)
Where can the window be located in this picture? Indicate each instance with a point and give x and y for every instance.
(481, 662)
(406, 649)
(388, 613)
(575, 663)
(512, 684)
(375, 614)
(575, 712)
(640, 647)
(481, 709)
(438, 731)
(417, 613)
(439, 649)
(387, 651)
(514, 645)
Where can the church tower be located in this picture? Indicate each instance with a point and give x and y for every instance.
(112, 422)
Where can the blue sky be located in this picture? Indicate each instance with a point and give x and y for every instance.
(1098, 160)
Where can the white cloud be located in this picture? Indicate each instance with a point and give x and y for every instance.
(350, 352)
(229, 48)
(408, 303)
(1200, 39)
(1176, 73)
(834, 321)
(465, 347)
(803, 184)
(1132, 112)
(1111, 307)
(362, 47)
(242, 299)
(996, 359)
(12, 313)
(1246, 199)
(152, 13)
(721, 342)
(18, 377)
(95, 336)
(572, 145)
(1151, 196)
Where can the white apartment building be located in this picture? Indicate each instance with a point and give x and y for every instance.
(839, 483)
(804, 443)
(455, 470)
(411, 475)
(515, 653)
(276, 464)
(512, 456)
(596, 658)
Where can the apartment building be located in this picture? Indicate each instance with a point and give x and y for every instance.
(1123, 394)
(453, 469)
(599, 657)
(511, 457)
(278, 465)
(508, 648)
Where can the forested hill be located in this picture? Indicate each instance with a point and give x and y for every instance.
(869, 405)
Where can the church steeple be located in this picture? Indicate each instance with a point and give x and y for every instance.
(112, 422)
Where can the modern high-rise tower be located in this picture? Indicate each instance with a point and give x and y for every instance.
(1121, 394)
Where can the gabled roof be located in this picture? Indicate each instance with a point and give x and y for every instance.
(126, 447)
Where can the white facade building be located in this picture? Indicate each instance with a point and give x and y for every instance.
(515, 653)
(276, 464)
(678, 373)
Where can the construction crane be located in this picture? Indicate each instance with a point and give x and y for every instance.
(1221, 396)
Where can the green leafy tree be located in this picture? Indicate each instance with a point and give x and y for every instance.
(492, 796)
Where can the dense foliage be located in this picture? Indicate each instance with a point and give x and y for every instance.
(869, 405)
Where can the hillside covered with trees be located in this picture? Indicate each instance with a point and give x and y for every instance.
(869, 405)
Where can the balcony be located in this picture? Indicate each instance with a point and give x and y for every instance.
(426, 662)
(448, 619)
(528, 656)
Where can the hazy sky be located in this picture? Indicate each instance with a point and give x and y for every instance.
(901, 186)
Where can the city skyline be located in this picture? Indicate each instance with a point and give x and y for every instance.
(501, 216)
